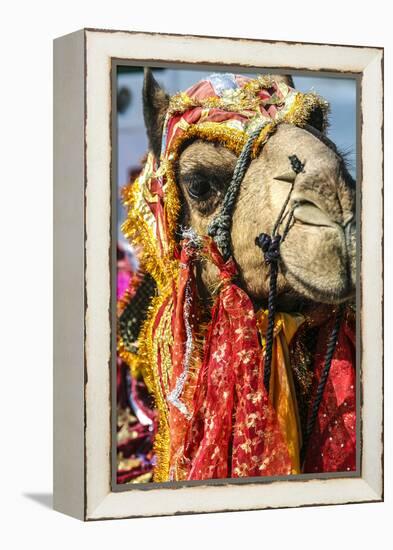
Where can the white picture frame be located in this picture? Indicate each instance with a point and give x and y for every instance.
(83, 332)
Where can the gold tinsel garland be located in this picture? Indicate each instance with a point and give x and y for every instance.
(149, 365)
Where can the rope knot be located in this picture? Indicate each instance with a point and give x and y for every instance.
(219, 230)
(219, 225)
(270, 247)
(297, 165)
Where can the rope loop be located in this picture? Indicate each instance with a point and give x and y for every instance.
(220, 228)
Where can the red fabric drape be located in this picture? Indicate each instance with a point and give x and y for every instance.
(234, 430)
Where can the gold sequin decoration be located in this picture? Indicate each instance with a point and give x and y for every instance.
(148, 352)
(139, 233)
(302, 107)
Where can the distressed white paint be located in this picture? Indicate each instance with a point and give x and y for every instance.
(101, 47)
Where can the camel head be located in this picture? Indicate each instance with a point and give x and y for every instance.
(318, 255)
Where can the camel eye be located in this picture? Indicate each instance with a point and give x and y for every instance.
(198, 188)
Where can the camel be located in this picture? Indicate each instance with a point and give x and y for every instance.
(297, 185)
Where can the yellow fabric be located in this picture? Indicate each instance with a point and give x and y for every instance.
(282, 391)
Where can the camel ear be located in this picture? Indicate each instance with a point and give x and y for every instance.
(317, 119)
(155, 105)
(286, 78)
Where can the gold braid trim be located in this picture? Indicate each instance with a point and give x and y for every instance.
(172, 211)
(147, 357)
(223, 133)
(230, 137)
(164, 336)
(266, 132)
(179, 103)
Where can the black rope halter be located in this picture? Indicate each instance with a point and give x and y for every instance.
(220, 231)
(270, 246)
(220, 227)
(322, 382)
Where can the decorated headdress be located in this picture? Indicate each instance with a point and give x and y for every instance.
(183, 352)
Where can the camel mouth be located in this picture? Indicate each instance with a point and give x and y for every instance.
(341, 292)
(309, 213)
(305, 265)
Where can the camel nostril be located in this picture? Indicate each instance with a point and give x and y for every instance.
(309, 213)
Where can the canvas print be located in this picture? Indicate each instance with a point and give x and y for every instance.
(235, 275)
